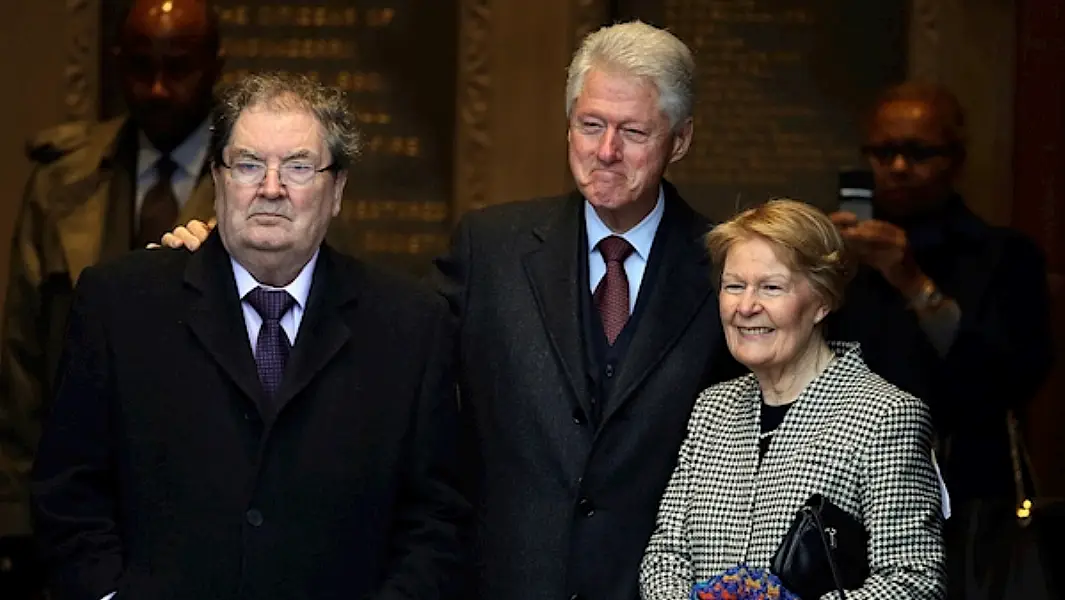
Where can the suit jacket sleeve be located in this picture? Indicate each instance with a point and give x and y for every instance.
(431, 513)
(23, 368)
(74, 484)
(666, 572)
(999, 358)
(451, 279)
(900, 503)
(452, 273)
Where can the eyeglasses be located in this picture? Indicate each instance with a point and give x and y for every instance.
(911, 152)
(291, 173)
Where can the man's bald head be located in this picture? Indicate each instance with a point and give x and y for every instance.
(169, 57)
(915, 144)
(169, 19)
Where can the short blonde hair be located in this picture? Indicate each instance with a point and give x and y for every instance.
(804, 239)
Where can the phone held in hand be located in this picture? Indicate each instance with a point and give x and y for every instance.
(855, 192)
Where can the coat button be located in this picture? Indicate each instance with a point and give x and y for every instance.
(254, 517)
(609, 370)
(578, 417)
(575, 597)
(584, 505)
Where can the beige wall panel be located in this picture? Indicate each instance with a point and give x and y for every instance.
(969, 46)
(50, 50)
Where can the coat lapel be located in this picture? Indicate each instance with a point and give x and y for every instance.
(82, 201)
(553, 270)
(80, 230)
(216, 319)
(324, 330)
(677, 293)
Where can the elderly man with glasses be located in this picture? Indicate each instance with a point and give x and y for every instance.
(266, 418)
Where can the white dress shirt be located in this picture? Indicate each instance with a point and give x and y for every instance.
(640, 237)
(189, 158)
(299, 289)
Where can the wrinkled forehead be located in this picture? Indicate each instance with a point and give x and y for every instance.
(907, 120)
(614, 93)
(268, 132)
(755, 255)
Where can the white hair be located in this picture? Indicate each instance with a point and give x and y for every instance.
(639, 50)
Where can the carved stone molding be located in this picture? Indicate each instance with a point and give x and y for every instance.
(81, 72)
(473, 136)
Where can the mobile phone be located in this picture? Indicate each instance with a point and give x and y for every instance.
(855, 193)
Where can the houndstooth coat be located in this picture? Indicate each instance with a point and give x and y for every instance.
(851, 436)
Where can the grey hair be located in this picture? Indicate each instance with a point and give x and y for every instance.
(640, 50)
(288, 91)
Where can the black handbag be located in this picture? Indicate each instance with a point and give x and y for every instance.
(825, 550)
(1011, 550)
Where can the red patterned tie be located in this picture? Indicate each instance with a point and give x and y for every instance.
(612, 294)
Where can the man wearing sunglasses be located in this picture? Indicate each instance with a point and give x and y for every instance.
(977, 293)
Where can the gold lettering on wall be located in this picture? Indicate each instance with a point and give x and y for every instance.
(394, 145)
(233, 15)
(379, 242)
(749, 129)
(398, 210)
(397, 199)
(380, 17)
(301, 48)
(313, 16)
(359, 81)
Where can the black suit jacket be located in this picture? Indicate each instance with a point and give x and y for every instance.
(565, 507)
(160, 476)
(1001, 354)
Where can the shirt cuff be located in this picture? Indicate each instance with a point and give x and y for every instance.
(941, 325)
(944, 495)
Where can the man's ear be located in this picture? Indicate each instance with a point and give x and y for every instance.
(217, 176)
(219, 180)
(338, 191)
(682, 140)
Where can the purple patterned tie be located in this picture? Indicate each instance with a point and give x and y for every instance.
(612, 294)
(272, 345)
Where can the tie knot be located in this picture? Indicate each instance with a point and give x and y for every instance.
(614, 248)
(165, 166)
(270, 304)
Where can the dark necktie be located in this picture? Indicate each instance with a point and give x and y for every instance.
(272, 345)
(612, 294)
(159, 211)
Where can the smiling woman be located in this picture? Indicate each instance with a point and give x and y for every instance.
(782, 268)
(811, 425)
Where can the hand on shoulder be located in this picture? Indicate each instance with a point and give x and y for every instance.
(189, 236)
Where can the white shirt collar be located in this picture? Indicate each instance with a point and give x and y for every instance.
(189, 156)
(641, 237)
(299, 289)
